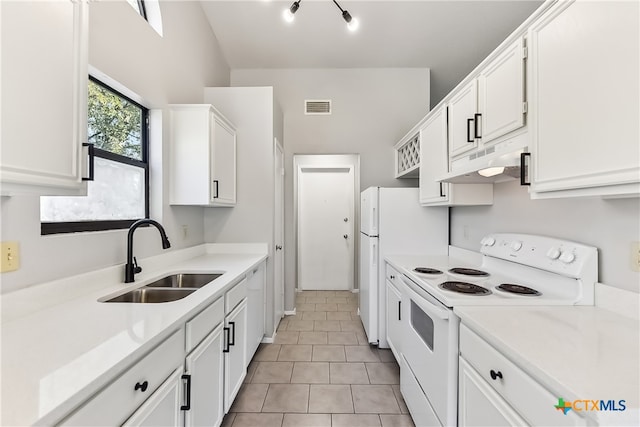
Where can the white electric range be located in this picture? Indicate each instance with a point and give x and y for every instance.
(514, 269)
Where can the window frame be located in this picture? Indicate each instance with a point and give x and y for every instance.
(47, 228)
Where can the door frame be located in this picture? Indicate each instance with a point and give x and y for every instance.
(327, 161)
(278, 300)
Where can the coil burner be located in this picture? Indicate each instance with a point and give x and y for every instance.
(464, 288)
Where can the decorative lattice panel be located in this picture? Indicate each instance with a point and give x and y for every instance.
(409, 154)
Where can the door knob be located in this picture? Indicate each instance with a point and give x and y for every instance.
(278, 248)
(346, 220)
(345, 236)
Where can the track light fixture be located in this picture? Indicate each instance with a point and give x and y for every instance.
(352, 23)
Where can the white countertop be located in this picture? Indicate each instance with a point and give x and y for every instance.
(54, 358)
(575, 352)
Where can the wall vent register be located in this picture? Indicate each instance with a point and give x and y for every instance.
(317, 107)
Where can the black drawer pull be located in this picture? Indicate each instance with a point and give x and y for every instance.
(217, 188)
(142, 387)
(400, 311)
(469, 122)
(476, 125)
(495, 375)
(232, 341)
(225, 349)
(187, 406)
(92, 157)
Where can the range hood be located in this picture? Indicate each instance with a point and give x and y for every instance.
(487, 167)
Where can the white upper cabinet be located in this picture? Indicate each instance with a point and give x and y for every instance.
(584, 85)
(434, 164)
(462, 113)
(44, 97)
(501, 94)
(203, 157)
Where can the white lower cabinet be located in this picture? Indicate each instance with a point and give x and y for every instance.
(420, 409)
(163, 408)
(479, 405)
(114, 404)
(495, 391)
(394, 319)
(205, 368)
(235, 352)
(255, 308)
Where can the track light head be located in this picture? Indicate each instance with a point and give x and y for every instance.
(288, 14)
(352, 23)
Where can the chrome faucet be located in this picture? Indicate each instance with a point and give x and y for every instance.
(131, 268)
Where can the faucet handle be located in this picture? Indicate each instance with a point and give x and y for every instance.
(136, 269)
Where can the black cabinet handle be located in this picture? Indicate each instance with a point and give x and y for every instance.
(469, 121)
(92, 157)
(495, 375)
(217, 188)
(392, 277)
(399, 310)
(142, 387)
(524, 168)
(441, 190)
(233, 334)
(476, 119)
(226, 340)
(187, 405)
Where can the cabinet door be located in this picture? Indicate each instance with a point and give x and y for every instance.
(433, 158)
(163, 407)
(394, 319)
(255, 309)
(479, 405)
(44, 96)
(584, 96)
(205, 365)
(223, 163)
(462, 110)
(501, 94)
(235, 360)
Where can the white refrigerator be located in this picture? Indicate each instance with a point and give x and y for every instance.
(392, 222)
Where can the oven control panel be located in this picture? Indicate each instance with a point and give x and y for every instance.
(547, 253)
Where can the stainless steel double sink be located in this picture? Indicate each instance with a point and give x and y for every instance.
(166, 289)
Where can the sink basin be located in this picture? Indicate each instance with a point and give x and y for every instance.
(183, 280)
(152, 296)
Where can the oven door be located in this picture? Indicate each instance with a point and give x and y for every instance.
(430, 348)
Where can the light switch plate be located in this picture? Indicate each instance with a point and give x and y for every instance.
(635, 256)
(10, 257)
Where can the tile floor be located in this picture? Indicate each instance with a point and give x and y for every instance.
(321, 372)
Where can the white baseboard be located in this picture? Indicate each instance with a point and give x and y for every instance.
(355, 291)
(290, 312)
(269, 340)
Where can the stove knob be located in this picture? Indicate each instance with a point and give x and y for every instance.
(553, 253)
(516, 245)
(488, 241)
(567, 257)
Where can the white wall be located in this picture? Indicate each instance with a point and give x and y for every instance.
(257, 120)
(372, 110)
(160, 70)
(611, 225)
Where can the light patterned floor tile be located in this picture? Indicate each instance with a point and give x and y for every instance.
(326, 325)
(272, 373)
(355, 420)
(342, 338)
(348, 373)
(287, 398)
(250, 398)
(396, 421)
(259, 419)
(306, 420)
(295, 353)
(383, 373)
(287, 337)
(314, 315)
(312, 338)
(328, 353)
(374, 399)
(330, 399)
(310, 373)
(361, 353)
(338, 315)
(300, 325)
(267, 353)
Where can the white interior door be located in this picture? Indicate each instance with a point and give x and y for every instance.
(278, 264)
(326, 238)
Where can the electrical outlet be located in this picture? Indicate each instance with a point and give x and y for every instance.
(635, 256)
(10, 257)
(185, 231)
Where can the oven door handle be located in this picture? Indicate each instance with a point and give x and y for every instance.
(427, 303)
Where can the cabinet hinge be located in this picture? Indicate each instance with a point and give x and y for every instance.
(524, 52)
(524, 107)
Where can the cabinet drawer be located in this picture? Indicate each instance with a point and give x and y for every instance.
(203, 323)
(116, 402)
(392, 274)
(419, 407)
(530, 399)
(235, 295)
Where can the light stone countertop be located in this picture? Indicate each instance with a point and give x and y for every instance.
(55, 357)
(576, 352)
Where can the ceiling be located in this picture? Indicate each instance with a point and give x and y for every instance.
(449, 37)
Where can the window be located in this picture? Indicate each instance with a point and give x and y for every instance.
(119, 193)
(138, 5)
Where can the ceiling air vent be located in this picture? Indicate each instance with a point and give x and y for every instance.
(317, 106)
